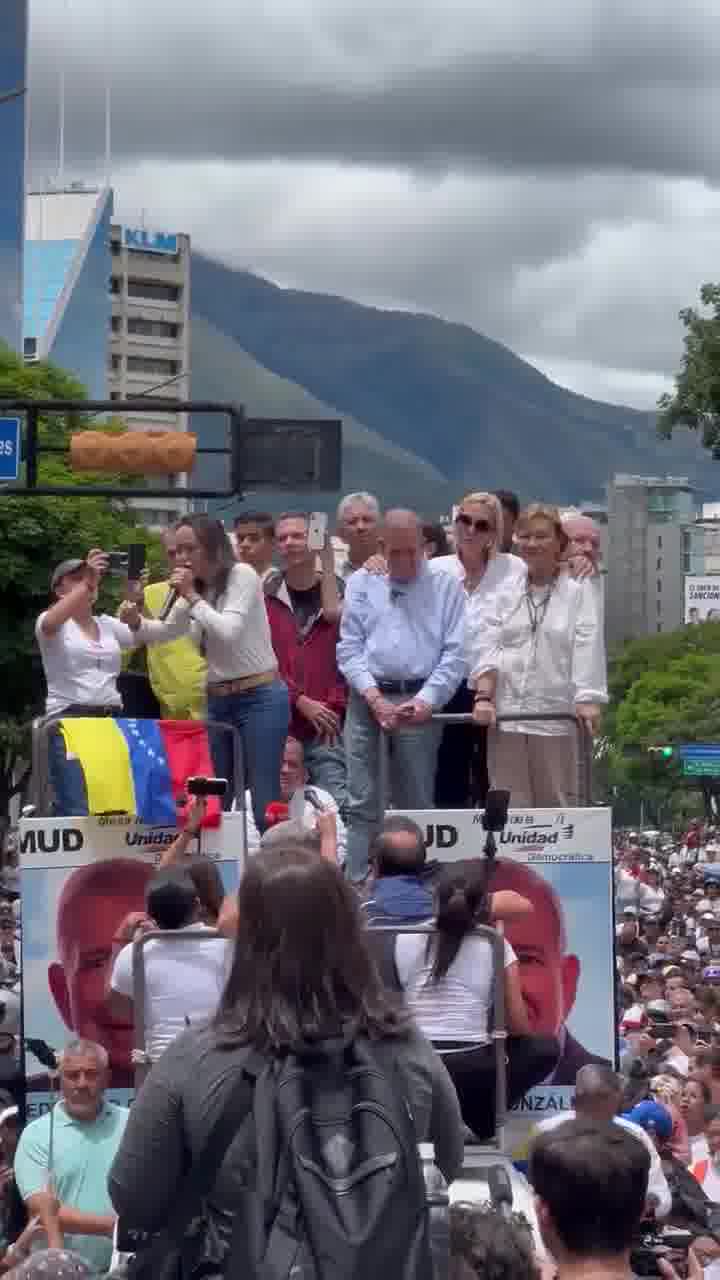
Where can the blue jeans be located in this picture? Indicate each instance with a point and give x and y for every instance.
(261, 717)
(326, 769)
(67, 778)
(413, 762)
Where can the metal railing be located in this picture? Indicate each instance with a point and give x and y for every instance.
(142, 1059)
(40, 787)
(582, 735)
(498, 1035)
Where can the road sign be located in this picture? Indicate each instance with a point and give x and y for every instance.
(9, 448)
(700, 760)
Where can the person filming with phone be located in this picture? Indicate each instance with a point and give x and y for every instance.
(82, 658)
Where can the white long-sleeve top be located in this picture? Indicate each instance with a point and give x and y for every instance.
(504, 573)
(233, 633)
(561, 664)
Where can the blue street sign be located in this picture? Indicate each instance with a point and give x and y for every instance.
(9, 448)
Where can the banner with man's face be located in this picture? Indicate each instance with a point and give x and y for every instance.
(562, 862)
(80, 878)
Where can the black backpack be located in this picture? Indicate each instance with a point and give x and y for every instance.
(339, 1191)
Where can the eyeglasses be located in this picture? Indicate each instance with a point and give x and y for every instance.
(479, 526)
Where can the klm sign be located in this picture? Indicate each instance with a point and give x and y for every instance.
(149, 241)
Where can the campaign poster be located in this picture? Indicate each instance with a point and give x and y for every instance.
(80, 877)
(702, 598)
(562, 862)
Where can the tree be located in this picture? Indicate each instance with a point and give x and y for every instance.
(695, 402)
(664, 689)
(36, 533)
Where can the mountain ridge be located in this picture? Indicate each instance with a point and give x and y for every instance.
(450, 397)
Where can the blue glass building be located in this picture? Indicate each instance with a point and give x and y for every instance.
(67, 303)
(13, 61)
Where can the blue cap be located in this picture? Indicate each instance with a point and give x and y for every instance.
(651, 1116)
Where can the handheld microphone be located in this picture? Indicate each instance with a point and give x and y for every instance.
(501, 1194)
(168, 606)
(276, 811)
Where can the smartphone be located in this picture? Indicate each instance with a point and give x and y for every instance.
(317, 530)
(206, 786)
(135, 560)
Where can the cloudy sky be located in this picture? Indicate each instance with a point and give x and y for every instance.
(544, 171)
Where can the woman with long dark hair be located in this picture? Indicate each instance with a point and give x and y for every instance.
(220, 602)
(449, 984)
(302, 973)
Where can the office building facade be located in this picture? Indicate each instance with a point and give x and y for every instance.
(150, 335)
(13, 75)
(649, 520)
(66, 304)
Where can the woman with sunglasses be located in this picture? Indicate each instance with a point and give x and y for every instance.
(486, 571)
(540, 650)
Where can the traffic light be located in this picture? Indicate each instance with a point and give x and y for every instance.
(664, 753)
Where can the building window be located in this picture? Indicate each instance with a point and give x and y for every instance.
(116, 324)
(153, 290)
(659, 542)
(152, 328)
(115, 363)
(115, 246)
(144, 255)
(148, 364)
(115, 395)
(659, 563)
(659, 586)
(115, 284)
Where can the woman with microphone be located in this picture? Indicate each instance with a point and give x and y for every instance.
(220, 603)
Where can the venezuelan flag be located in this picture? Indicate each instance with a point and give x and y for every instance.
(140, 767)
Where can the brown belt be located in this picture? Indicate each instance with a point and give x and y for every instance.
(223, 688)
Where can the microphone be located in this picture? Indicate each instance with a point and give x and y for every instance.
(168, 606)
(501, 1194)
(276, 811)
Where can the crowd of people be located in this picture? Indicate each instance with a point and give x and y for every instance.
(300, 994)
(263, 633)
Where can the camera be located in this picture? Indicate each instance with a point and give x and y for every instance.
(496, 811)
(129, 563)
(655, 1243)
(206, 786)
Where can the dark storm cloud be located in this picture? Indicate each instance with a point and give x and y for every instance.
(616, 90)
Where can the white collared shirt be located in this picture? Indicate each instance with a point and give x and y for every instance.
(562, 663)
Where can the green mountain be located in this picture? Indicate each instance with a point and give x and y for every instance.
(475, 413)
(222, 371)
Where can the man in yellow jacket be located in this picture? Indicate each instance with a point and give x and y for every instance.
(177, 671)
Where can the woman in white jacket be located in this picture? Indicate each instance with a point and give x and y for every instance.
(540, 650)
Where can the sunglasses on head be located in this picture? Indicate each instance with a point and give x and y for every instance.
(480, 526)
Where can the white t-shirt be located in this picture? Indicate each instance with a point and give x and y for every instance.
(183, 983)
(302, 809)
(456, 1007)
(233, 633)
(79, 670)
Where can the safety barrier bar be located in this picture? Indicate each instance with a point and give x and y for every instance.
(39, 790)
(142, 1061)
(584, 745)
(499, 1033)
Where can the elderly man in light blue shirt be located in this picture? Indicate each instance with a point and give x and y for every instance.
(401, 651)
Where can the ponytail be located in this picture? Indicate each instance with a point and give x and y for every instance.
(462, 903)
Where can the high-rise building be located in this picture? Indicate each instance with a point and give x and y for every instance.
(66, 309)
(648, 522)
(13, 65)
(150, 336)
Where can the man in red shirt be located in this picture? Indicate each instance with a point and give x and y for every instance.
(304, 608)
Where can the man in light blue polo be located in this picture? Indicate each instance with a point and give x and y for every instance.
(401, 651)
(86, 1133)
